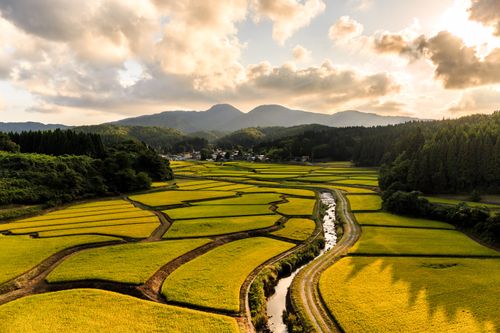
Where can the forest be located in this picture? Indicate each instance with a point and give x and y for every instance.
(52, 167)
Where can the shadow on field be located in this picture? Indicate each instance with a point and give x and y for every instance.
(416, 293)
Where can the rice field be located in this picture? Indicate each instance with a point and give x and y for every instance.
(364, 202)
(214, 279)
(388, 219)
(98, 311)
(282, 190)
(297, 229)
(175, 197)
(448, 201)
(413, 294)
(413, 241)
(18, 254)
(127, 263)
(219, 225)
(194, 212)
(245, 199)
(297, 206)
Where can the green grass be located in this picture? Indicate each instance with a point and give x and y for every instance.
(380, 240)
(217, 211)
(98, 311)
(366, 182)
(245, 199)
(219, 225)
(322, 178)
(134, 230)
(297, 229)
(364, 202)
(352, 190)
(447, 201)
(297, 206)
(413, 294)
(382, 218)
(282, 190)
(128, 263)
(18, 254)
(214, 279)
(175, 197)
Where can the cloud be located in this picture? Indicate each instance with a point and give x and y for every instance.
(389, 107)
(486, 12)
(458, 65)
(344, 29)
(288, 16)
(325, 86)
(300, 53)
(385, 42)
(481, 100)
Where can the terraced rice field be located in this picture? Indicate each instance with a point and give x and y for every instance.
(128, 263)
(297, 229)
(364, 202)
(297, 206)
(413, 294)
(387, 219)
(246, 199)
(101, 312)
(217, 211)
(214, 279)
(219, 225)
(408, 241)
(166, 198)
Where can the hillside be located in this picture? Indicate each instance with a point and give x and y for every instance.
(224, 117)
(29, 126)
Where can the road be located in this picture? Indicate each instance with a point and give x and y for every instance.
(309, 277)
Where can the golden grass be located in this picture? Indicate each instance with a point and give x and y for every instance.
(383, 218)
(214, 279)
(297, 229)
(174, 197)
(413, 294)
(365, 202)
(217, 211)
(297, 206)
(98, 311)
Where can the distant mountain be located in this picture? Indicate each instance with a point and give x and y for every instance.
(226, 118)
(29, 126)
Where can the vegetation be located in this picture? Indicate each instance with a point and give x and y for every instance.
(214, 279)
(246, 199)
(219, 225)
(396, 241)
(297, 229)
(297, 206)
(413, 294)
(364, 202)
(218, 211)
(175, 197)
(18, 254)
(128, 263)
(89, 310)
(387, 219)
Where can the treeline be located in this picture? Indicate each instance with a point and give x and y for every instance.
(59, 142)
(475, 220)
(32, 178)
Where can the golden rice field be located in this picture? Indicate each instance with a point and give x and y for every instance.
(413, 294)
(296, 229)
(98, 311)
(297, 206)
(214, 279)
(364, 202)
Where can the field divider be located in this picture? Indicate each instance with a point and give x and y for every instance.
(412, 255)
(165, 221)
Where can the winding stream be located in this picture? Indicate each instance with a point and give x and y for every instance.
(276, 304)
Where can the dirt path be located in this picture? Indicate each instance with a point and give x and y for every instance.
(308, 278)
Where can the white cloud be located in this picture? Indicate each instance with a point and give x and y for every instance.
(480, 100)
(300, 53)
(344, 29)
(288, 16)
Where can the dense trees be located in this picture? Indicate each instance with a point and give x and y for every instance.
(59, 142)
(90, 170)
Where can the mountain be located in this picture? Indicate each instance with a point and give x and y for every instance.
(224, 117)
(29, 126)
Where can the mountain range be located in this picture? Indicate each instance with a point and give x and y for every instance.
(226, 118)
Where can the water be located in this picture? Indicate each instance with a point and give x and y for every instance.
(276, 304)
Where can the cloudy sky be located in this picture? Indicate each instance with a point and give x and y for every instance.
(85, 62)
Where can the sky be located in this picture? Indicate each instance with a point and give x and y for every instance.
(93, 61)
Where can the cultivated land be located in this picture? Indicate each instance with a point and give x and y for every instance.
(88, 310)
(127, 263)
(413, 294)
(403, 274)
(219, 225)
(297, 229)
(213, 280)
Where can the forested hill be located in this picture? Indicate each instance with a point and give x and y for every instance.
(438, 156)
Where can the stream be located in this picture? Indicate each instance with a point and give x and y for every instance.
(276, 304)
